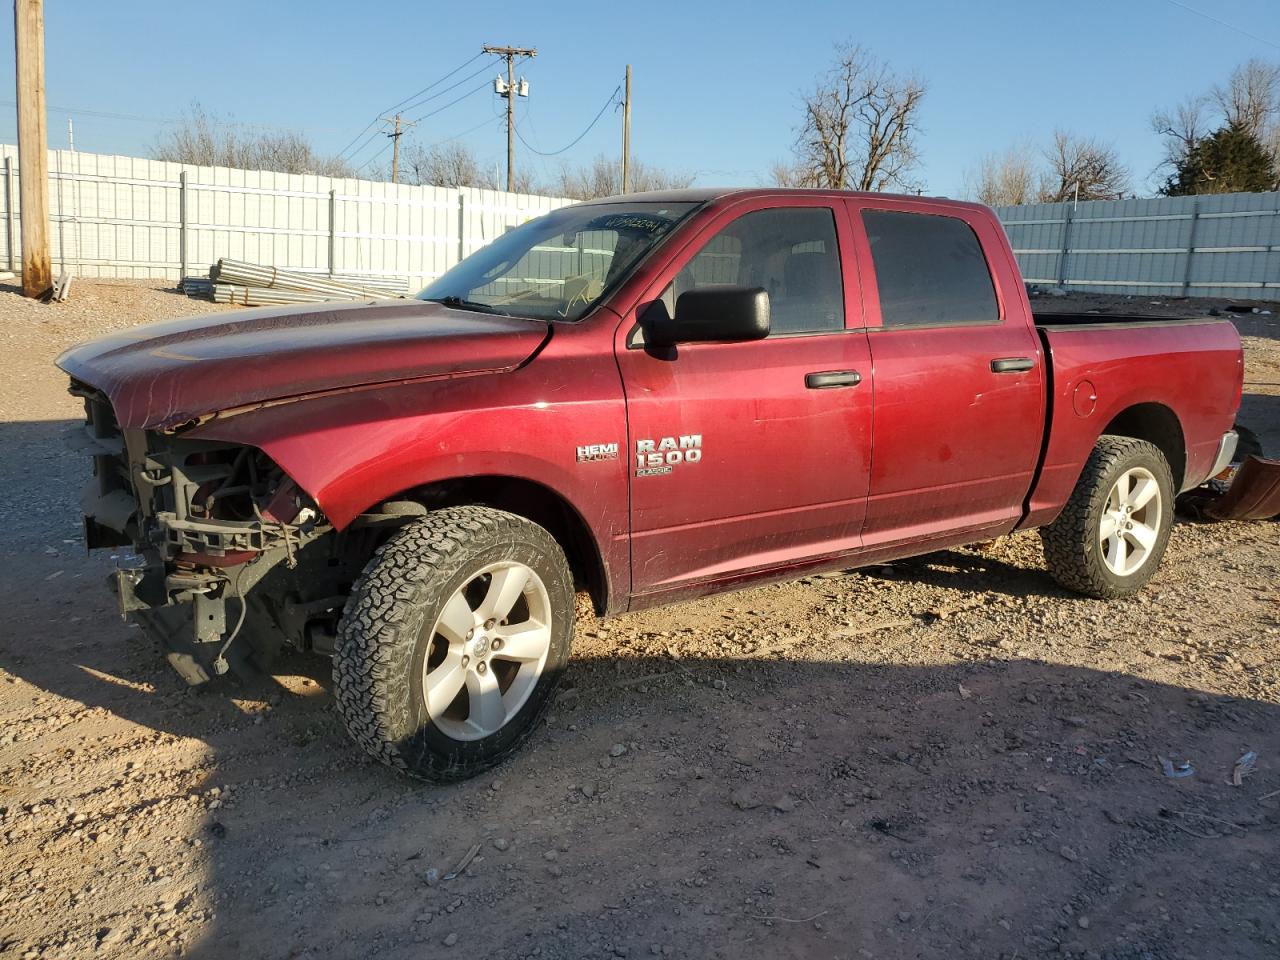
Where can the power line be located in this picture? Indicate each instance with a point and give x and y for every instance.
(342, 153)
(96, 113)
(106, 115)
(613, 99)
(434, 83)
(368, 163)
(360, 149)
(1223, 23)
(452, 86)
(458, 136)
(452, 103)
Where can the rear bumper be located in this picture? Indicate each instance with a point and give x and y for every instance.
(1226, 450)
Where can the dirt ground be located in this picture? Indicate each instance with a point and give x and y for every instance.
(946, 757)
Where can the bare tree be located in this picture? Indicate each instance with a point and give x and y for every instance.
(1271, 143)
(451, 165)
(1182, 128)
(784, 174)
(859, 127)
(1248, 104)
(1004, 179)
(1084, 168)
(1251, 97)
(204, 139)
(444, 165)
(1251, 100)
(603, 178)
(448, 165)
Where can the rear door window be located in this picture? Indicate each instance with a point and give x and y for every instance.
(930, 270)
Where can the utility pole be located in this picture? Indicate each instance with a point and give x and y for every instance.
(626, 133)
(33, 146)
(510, 53)
(396, 133)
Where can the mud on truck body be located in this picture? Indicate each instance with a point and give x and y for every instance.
(640, 400)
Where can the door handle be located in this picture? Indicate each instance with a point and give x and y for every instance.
(832, 378)
(1012, 364)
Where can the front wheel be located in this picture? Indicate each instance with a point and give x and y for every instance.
(1110, 537)
(452, 641)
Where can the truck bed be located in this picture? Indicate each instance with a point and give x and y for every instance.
(1102, 363)
(1059, 320)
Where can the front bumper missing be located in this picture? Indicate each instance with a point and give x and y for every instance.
(172, 625)
(185, 611)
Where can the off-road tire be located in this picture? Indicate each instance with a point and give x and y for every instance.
(1072, 547)
(380, 644)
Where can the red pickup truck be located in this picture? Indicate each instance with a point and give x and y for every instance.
(646, 398)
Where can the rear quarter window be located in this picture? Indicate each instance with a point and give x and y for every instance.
(930, 270)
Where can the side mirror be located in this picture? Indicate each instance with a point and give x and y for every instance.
(717, 314)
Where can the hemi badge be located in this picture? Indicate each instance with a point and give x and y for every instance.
(597, 451)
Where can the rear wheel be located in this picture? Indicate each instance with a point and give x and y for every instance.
(452, 641)
(1109, 539)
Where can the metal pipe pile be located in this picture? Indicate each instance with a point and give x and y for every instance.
(201, 287)
(251, 284)
(263, 296)
(255, 275)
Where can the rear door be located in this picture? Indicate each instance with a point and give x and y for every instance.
(959, 391)
(747, 456)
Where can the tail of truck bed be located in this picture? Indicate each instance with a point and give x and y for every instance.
(1127, 374)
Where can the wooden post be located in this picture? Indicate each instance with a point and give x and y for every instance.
(33, 146)
(626, 134)
(511, 126)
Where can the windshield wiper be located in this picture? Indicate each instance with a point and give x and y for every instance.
(461, 303)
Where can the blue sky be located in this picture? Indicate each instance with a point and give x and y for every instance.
(716, 83)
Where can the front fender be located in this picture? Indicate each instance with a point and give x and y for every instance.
(354, 449)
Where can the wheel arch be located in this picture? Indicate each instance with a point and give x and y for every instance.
(1158, 425)
(535, 502)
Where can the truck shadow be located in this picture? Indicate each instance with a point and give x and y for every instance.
(1260, 412)
(817, 801)
(986, 573)
(1259, 324)
(983, 805)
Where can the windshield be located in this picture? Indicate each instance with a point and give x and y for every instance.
(557, 266)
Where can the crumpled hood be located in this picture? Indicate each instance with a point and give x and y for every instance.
(165, 374)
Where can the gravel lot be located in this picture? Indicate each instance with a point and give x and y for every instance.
(946, 757)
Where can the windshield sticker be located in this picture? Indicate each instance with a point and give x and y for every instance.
(631, 221)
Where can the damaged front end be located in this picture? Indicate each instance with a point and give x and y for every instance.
(202, 524)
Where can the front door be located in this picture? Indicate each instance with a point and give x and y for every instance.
(749, 456)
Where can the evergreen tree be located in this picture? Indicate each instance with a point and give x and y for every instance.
(1229, 160)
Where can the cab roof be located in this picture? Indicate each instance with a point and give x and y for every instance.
(709, 194)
